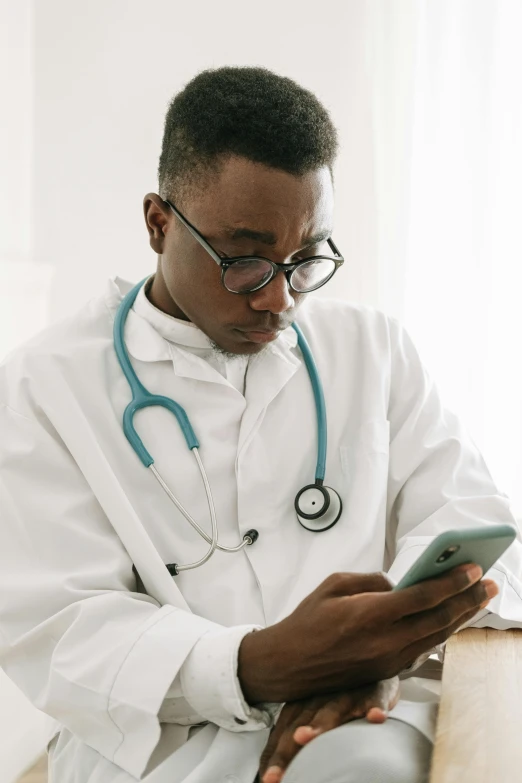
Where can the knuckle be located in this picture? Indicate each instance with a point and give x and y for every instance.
(468, 601)
(423, 594)
(461, 580)
(380, 582)
(445, 616)
(286, 747)
(373, 650)
(342, 583)
(366, 617)
(477, 595)
(335, 581)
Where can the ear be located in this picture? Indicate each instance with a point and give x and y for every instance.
(158, 218)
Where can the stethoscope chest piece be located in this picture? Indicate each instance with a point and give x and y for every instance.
(318, 508)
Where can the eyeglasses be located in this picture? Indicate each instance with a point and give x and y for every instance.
(245, 274)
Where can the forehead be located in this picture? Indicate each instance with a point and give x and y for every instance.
(247, 194)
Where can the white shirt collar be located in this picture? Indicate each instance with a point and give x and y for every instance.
(148, 331)
(183, 333)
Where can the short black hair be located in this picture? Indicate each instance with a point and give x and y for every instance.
(246, 111)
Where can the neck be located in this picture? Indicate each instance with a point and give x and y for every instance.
(159, 296)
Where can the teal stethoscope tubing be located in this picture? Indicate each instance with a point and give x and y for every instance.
(142, 398)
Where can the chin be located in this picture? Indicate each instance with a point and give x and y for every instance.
(252, 350)
(237, 349)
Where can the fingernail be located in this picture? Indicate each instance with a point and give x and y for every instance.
(376, 715)
(304, 734)
(272, 775)
(491, 589)
(474, 573)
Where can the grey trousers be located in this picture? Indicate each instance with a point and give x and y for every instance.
(362, 752)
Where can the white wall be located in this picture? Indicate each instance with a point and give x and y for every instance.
(23, 289)
(104, 73)
(23, 285)
(16, 158)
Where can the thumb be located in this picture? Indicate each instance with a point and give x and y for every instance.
(384, 698)
(376, 715)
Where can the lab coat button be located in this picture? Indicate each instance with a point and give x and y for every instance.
(231, 779)
(240, 721)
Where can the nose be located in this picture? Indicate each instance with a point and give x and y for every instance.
(276, 297)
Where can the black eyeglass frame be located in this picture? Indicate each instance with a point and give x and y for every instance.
(287, 269)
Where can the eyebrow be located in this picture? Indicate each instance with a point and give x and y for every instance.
(269, 238)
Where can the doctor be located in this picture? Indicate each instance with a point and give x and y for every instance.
(180, 674)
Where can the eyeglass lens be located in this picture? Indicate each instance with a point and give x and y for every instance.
(251, 273)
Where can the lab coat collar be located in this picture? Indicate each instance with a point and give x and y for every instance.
(146, 344)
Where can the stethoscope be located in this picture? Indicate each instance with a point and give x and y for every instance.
(318, 507)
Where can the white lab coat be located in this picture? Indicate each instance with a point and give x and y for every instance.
(127, 674)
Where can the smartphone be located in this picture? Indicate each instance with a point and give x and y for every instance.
(482, 545)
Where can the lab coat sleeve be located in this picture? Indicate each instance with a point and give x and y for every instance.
(75, 636)
(208, 681)
(438, 480)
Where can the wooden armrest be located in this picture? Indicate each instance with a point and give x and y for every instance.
(479, 729)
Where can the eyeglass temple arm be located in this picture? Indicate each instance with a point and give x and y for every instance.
(335, 248)
(195, 233)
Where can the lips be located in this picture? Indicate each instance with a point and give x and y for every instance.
(257, 334)
(260, 336)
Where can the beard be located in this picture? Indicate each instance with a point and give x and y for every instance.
(229, 356)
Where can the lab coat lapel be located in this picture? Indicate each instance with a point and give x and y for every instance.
(267, 374)
(68, 417)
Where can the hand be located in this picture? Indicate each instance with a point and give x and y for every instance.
(302, 721)
(353, 630)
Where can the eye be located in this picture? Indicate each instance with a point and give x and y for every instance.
(309, 252)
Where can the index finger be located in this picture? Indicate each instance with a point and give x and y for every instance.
(343, 584)
(432, 592)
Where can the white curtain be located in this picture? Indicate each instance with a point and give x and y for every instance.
(447, 128)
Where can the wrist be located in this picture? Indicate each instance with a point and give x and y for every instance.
(260, 667)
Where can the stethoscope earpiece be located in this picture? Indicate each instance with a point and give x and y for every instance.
(318, 508)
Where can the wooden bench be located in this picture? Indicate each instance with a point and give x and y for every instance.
(479, 729)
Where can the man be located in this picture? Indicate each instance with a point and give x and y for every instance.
(183, 678)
